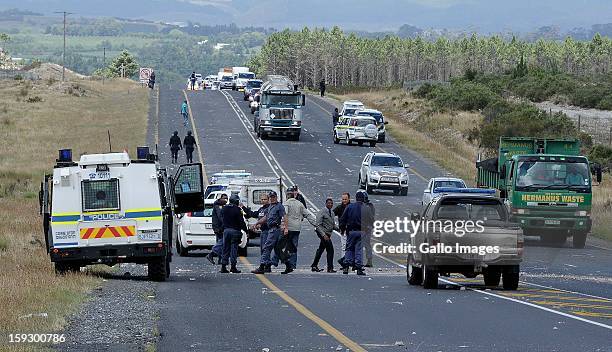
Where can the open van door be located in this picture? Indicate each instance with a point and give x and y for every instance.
(188, 189)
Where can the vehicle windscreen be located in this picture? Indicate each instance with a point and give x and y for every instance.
(387, 161)
(274, 99)
(376, 115)
(227, 78)
(449, 183)
(349, 111)
(533, 175)
(254, 84)
(471, 209)
(363, 122)
(246, 75)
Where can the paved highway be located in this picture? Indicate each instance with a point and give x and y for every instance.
(563, 304)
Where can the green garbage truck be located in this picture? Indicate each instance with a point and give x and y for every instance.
(546, 184)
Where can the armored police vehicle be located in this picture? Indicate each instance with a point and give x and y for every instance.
(280, 109)
(109, 209)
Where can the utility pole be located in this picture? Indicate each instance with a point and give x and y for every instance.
(64, 53)
(103, 62)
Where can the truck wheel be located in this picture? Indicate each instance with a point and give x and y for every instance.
(430, 277)
(263, 136)
(243, 252)
(491, 277)
(372, 144)
(414, 274)
(360, 143)
(579, 239)
(64, 268)
(404, 191)
(158, 269)
(369, 189)
(511, 277)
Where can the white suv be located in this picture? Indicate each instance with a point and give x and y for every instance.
(195, 231)
(384, 171)
(358, 129)
(430, 192)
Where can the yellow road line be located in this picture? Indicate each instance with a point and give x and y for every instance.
(572, 305)
(594, 314)
(195, 134)
(335, 333)
(565, 298)
(414, 171)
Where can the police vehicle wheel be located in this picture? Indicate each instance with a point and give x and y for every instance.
(381, 139)
(360, 143)
(372, 144)
(404, 192)
(63, 268)
(430, 277)
(182, 251)
(258, 132)
(579, 239)
(348, 140)
(511, 278)
(264, 136)
(368, 188)
(414, 274)
(336, 140)
(243, 252)
(157, 269)
(491, 278)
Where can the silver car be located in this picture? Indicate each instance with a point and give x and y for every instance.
(384, 171)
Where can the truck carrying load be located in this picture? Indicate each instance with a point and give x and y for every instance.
(280, 109)
(109, 209)
(546, 183)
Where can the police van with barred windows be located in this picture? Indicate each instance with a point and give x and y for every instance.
(109, 209)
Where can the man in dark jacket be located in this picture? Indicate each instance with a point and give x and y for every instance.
(217, 225)
(322, 87)
(192, 80)
(352, 221)
(335, 116)
(152, 80)
(175, 146)
(189, 142)
(338, 211)
(233, 224)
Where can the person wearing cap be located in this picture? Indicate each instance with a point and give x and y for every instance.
(325, 227)
(352, 222)
(298, 195)
(338, 211)
(296, 213)
(175, 146)
(233, 223)
(189, 142)
(276, 222)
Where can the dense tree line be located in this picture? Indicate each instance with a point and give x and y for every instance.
(309, 56)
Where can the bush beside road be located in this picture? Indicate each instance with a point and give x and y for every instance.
(37, 118)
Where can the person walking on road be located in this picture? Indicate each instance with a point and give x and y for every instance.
(217, 225)
(296, 213)
(233, 223)
(189, 143)
(185, 113)
(338, 211)
(175, 146)
(192, 80)
(152, 80)
(325, 227)
(276, 222)
(322, 87)
(335, 116)
(368, 225)
(352, 222)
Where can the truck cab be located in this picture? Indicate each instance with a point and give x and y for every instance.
(280, 109)
(109, 209)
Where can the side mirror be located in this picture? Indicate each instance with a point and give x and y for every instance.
(303, 100)
(406, 166)
(415, 216)
(427, 191)
(386, 122)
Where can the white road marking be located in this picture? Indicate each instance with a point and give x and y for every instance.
(349, 170)
(390, 202)
(329, 151)
(338, 160)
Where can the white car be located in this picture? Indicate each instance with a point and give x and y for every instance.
(350, 107)
(195, 231)
(430, 192)
(380, 122)
(384, 171)
(358, 129)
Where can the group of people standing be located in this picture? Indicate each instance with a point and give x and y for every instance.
(280, 226)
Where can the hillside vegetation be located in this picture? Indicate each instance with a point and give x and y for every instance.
(37, 118)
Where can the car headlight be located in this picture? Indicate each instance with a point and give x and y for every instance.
(375, 173)
(582, 213)
(265, 122)
(296, 123)
(520, 211)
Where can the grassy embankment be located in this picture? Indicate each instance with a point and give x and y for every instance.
(442, 137)
(37, 119)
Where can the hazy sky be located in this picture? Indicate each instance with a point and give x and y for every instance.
(373, 15)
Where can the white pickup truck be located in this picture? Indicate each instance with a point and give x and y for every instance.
(493, 247)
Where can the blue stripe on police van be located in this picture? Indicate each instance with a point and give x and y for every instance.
(64, 218)
(143, 214)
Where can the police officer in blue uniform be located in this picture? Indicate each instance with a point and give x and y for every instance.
(353, 221)
(276, 221)
(259, 214)
(233, 223)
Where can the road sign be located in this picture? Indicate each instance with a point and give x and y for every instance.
(145, 73)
